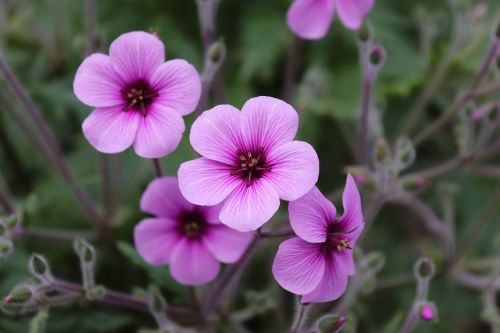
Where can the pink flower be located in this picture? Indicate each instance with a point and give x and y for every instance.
(249, 162)
(139, 99)
(427, 312)
(189, 238)
(317, 262)
(311, 19)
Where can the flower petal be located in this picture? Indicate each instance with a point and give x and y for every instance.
(136, 55)
(267, 122)
(192, 264)
(111, 130)
(226, 245)
(310, 19)
(295, 169)
(178, 86)
(249, 207)
(310, 215)
(155, 240)
(351, 200)
(159, 132)
(332, 285)
(163, 198)
(96, 83)
(351, 12)
(298, 266)
(216, 134)
(206, 182)
(365, 5)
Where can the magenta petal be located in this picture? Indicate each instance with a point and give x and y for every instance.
(351, 200)
(136, 55)
(332, 285)
(178, 85)
(96, 84)
(192, 264)
(211, 213)
(155, 240)
(159, 132)
(298, 266)
(111, 130)
(216, 134)
(365, 5)
(249, 207)
(310, 215)
(226, 245)
(295, 169)
(163, 198)
(310, 19)
(351, 13)
(206, 182)
(267, 122)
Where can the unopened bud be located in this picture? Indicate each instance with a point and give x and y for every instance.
(157, 303)
(374, 261)
(365, 33)
(424, 268)
(331, 323)
(6, 247)
(377, 55)
(11, 308)
(414, 183)
(20, 294)
(39, 267)
(217, 52)
(427, 312)
(84, 250)
(381, 150)
(405, 153)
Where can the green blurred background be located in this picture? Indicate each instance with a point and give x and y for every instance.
(43, 40)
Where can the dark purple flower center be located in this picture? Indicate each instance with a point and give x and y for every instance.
(336, 238)
(251, 165)
(138, 96)
(192, 224)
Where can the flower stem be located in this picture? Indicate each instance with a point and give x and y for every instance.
(117, 298)
(53, 235)
(50, 143)
(157, 167)
(291, 67)
(463, 99)
(5, 197)
(363, 121)
(300, 317)
(225, 281)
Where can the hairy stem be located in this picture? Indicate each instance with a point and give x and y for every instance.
(157, 167)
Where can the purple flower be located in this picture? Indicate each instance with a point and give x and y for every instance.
(249, 161)
(311, 19)
(139, 99)
(317, 262)
(189, 238)
(427, 312)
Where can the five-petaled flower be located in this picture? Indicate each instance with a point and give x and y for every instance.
(139, 99)
(189, 238)
(316, 264)
(311, 19)
(249, 161)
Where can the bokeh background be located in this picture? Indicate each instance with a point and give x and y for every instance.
(44, 42)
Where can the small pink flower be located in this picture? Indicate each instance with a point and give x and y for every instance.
(189, 238)
(317, 262)
(249, 161)
(311, 19)
(138, 98)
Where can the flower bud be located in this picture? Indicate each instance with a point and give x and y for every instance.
(381, 150)
(377, 55)
(84, 250)
(217, 51)
(414, 183)
(405, 153)
(21, 294)
(331, 323)
(365, 33)
(39, 268)
(11, 308)
(156, 301)
(427, 312)
(424, 268)
(6, 247)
